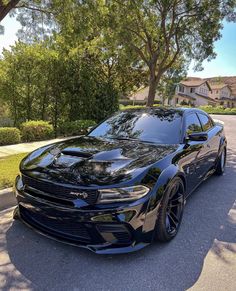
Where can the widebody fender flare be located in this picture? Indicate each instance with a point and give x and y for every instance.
(159, 189)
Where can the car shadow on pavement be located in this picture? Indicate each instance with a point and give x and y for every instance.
(44, 264)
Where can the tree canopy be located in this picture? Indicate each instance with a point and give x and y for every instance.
(76, 58)
(161, 31)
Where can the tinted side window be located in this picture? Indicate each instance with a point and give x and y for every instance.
(205, 121)
(192, 124)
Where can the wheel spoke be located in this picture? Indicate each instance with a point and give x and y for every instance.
(176, 202)
(172, 219)
(174, 207)
(174, 191)
(174, 216)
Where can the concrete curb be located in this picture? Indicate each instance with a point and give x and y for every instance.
(7, 199)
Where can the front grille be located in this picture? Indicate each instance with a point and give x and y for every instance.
(59, 191)
(63, 228)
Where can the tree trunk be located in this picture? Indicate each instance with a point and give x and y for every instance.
(151, 92)
(153, 82)
(154, 79)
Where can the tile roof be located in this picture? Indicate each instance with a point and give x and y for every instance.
(230, 81)
(192, 83)
(218, 86)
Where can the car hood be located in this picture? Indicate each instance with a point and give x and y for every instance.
(90, 161)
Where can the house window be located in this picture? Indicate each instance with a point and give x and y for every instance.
(192, 90)
(181, 88)
(216, 91)
(177, 100)
(203, 91)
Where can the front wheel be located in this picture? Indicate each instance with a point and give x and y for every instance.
(220, 167)
(171, 211)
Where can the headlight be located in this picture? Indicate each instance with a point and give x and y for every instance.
(122, 194)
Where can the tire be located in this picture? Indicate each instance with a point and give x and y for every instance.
(220, 167)
(170, 217)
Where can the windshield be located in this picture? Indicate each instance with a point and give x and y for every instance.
(157, 125)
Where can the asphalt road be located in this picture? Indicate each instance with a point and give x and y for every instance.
(201, 257)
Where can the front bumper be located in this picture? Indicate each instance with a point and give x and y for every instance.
(118, 229)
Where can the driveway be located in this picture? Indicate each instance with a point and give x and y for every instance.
(201, 257)
(26, 147)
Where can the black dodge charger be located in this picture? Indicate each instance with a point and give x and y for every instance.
(125, 183)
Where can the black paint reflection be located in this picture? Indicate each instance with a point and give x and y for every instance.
(94, 161)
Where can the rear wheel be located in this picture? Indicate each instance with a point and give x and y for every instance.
(220, 167)
(171, 211)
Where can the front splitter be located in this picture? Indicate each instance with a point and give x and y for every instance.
(102, 249)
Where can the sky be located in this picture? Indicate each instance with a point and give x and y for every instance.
(225, 62)
(10, 29)
(223, 65)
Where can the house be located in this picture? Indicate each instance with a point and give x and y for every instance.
(142, 94)
(193, 91)
(198, 92)
(222, 93)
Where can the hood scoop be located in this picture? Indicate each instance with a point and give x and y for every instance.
(73, 152)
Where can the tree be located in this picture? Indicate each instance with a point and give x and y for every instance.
(167, 85)
(37, 20)
(21, 71)
(6, 6)
(160, 31)
(35, 17)
(40, 81)
(131, 36)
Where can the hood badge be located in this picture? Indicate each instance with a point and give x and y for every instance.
(83, 195)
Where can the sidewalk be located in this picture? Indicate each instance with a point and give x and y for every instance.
(26, 147)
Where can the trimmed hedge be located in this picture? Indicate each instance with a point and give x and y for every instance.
(127, 102)
(218, 110)
(122, 107)
(36, 130)
(9, 135)
(209, 109)
(76, 127)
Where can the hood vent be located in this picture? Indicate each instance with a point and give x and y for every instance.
(76, 153)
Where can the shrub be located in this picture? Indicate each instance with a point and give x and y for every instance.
(122, 107)
(76, 127)
(36, 130)
(9, 135)
(127, 102)
(218, 110)
(209, 109)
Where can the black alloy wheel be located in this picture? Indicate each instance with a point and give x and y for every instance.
(171, 211)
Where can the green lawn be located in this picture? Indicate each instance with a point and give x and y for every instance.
(9, 168)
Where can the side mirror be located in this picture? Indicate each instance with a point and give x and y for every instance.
(197, 136)
(89, 129)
